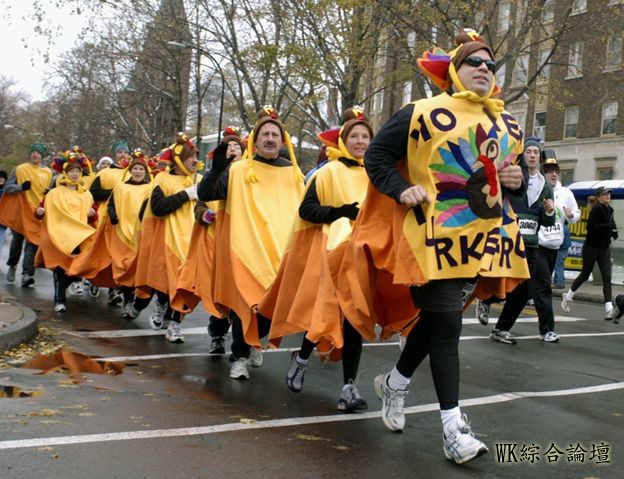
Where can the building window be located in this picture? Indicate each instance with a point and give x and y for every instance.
(575, 60)
(500, 75)
(521, 70)
(604, 173)
(613, 59)
(566, 176)
(571, 122)
(609, 118)
(548, 11)
(579, 6)
(544, 65)
(503, 17)
(539, 124)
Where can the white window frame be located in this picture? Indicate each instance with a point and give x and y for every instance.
(575, 60)
(615, 46)
(609, 116)
(571, 117)
(540, 130)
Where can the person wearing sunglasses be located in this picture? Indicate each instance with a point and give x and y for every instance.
(436, 219)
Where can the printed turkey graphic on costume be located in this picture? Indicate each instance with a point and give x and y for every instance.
(468, 186)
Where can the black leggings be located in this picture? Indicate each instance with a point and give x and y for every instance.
(351, 351)
(592, 255)
(436, 335)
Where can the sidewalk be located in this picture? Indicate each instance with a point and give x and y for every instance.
(18, 324)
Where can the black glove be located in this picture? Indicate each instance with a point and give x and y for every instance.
(614, 234)
(26, 185)
(114, 220)
(219, 161)
(347, 211)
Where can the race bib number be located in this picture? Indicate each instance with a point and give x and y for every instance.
(527, 227)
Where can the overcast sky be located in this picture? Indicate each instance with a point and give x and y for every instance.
(19, 44)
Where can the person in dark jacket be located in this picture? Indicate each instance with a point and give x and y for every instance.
(601, 228)
(535, 210)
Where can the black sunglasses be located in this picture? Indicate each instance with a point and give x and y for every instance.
(477, 61)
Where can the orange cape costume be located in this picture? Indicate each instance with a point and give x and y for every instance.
(257, 225)
(65, 227)
(196, 279)
(114, 246)
(302, 297)
(165, 241)
(17, 210)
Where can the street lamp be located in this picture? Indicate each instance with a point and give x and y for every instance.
(200, 51)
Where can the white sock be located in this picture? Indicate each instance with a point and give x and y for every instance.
(301, 361)
(449, 416)
(570, 294)
(609, 307)
(397, 381)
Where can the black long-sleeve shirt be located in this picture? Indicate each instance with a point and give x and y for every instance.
(311, 208)
(601, 226)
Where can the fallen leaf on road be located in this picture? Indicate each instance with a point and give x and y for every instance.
(309, 437)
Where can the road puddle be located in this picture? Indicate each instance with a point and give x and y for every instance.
(74, 363)
(17, 392)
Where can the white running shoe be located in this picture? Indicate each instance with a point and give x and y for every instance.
(238, 369)
(296, 373)
(157, 318)
(392, 402)
(460, 445)
(11, 274)
(76, 288)
(608, 311)
(60, 308)
(351, 400)
(255, 357)
(174, 333)
(130, 312)
(550, 337)
(483, 312)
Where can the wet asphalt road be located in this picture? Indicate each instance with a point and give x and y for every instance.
(181, 416)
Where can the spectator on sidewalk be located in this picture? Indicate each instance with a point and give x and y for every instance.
(564, 199)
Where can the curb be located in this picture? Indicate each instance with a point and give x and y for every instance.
(22, 331)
